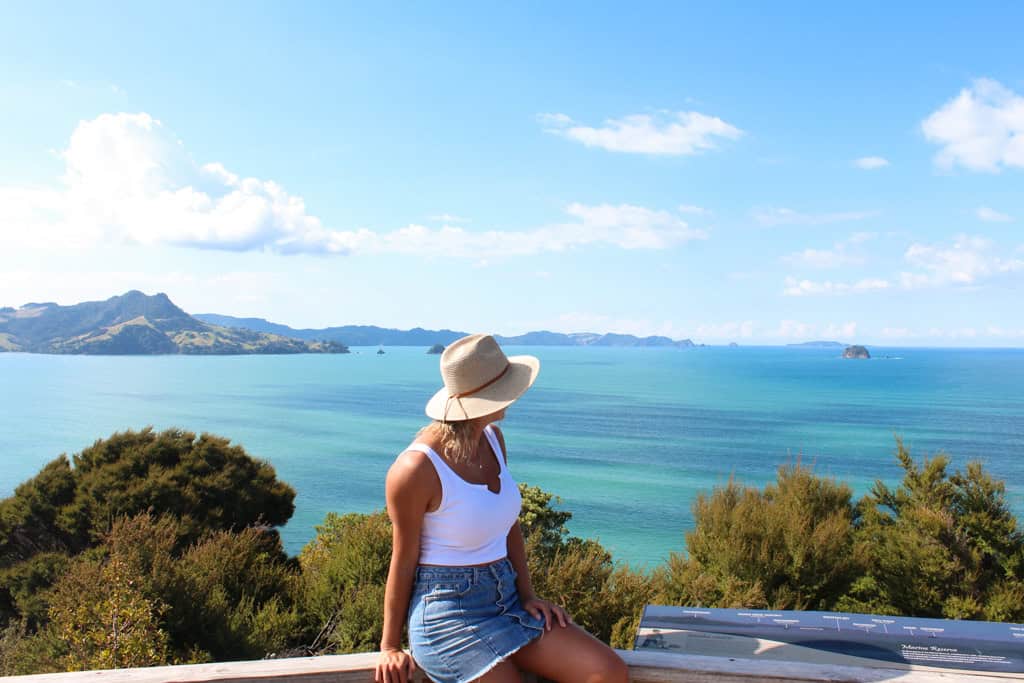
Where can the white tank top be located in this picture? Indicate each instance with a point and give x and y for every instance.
(471, 524)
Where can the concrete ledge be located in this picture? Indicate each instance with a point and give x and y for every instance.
(645, 667)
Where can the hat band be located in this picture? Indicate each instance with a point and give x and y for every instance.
(463, 394)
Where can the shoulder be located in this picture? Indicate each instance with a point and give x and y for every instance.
(501, 440)
(410, 470)
(412, 483)
(410, 464)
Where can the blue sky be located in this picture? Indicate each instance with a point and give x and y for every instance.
(722, 172)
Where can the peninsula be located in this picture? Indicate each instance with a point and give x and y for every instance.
(371, 335)
(135, 323)
(819, 345)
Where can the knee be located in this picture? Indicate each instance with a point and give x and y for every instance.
(612, 670)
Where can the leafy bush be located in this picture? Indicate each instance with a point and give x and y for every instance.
(578, 574)
(939, 546)
(543, 526)
(786, 547)
(159, 548)
(601, 597)
(344, 569)
(104, 618)
(136, 600)
(204, 483)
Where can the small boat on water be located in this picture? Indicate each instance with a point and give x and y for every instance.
(380, 350)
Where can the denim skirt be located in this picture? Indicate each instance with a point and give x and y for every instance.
(464, 621)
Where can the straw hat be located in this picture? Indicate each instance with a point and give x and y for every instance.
(479, 379)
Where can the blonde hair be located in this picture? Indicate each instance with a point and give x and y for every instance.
(458, 439)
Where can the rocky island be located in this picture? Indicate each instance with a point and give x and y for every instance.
(436, 349)
(856, 351)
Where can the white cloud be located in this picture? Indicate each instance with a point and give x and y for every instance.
(796, 287)
(898, 333)
(1000, 331)
(237, 291)
(796, 330)
(448, 218)
(839, 255)
(980, 332)
(727, 330)
(80, 85)
(819, 258)
(842, 331)
(963, 333)
(773, 216)
(990, 215)
(693, 209)
(128, 179)
(670, 134)
(554, 120)
(793, 329)
(624, 225)
(967, 261)
(861, 237)
(871, 163)
(981, 129)
(578, 321)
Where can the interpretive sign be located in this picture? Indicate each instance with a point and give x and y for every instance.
(834, 638)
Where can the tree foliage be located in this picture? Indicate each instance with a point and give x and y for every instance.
(604, 598)
(542, 524)
(206, 482)
(787, 546)
(937, 545)
(163, 536)
(344, 569)
(102, 615)
(150, 548)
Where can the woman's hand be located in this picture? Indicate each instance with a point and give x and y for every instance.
(394, 666)
(548, 610)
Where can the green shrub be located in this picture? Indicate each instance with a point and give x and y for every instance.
(581, 577)
(939, 545)
(789, 546)
(543, 526)
(105, 620)
(24, 588)
(344, 569)
(204, 483)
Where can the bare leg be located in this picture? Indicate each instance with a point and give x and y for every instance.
(506, 672)
(571, 655)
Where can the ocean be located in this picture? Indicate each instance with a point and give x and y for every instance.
(626, 437)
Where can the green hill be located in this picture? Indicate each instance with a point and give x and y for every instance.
(135, 323)
(370, 335)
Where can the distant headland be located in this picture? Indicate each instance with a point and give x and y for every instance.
(371, 335)
(136, 324)
(139, 324)
(820, 345)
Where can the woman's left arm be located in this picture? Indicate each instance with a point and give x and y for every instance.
(516, 548)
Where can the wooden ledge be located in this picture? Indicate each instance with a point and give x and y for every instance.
(644, 667)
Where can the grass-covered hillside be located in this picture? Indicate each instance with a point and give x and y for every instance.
(135, 323)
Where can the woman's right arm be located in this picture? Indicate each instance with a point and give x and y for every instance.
(408, 494)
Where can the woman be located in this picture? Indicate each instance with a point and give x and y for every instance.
(458, 565)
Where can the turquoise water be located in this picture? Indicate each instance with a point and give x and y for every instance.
(626, 437)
